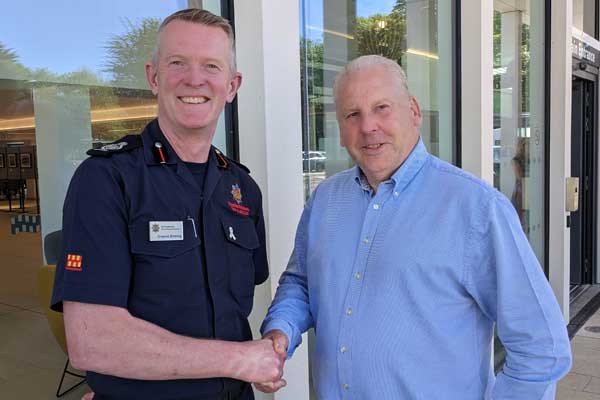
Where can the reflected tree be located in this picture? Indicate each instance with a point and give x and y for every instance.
(10, 67)
(129, 52)
(381, 34)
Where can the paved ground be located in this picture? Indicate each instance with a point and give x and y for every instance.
(583, 382)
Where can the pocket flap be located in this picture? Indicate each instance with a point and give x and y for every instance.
(241, 231)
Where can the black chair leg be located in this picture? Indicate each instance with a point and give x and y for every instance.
(62, 378)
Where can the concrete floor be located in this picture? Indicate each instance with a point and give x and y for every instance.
(31, 361)
(583, 382)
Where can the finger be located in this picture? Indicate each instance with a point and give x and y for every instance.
(270, 387)
(280, 341)
(88, 396)
(265, 387)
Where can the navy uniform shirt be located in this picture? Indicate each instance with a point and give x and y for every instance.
(201, 284)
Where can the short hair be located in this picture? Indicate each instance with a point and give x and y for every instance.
(201, 17)
(371, 61)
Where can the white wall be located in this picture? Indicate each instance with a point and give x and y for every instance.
(271, 143)
(477, 89)
(560, 150)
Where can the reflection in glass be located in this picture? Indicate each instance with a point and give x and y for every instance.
(75, 79)
(519, 114)
(584, 16)
(417, 34)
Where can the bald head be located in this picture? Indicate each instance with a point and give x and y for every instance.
(394, 70)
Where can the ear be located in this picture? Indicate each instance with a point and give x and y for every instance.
(234, 85)
(415, 112)
(152, 77)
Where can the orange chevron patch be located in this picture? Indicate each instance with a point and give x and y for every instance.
(74, 262)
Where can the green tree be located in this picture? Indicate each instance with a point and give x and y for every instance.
(129, 52)
(380, 34)
(10, 66)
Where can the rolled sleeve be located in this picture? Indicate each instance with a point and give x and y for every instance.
(506, 280)
(290, 309)
(94, 228)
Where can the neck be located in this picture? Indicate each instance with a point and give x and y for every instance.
(189, 146)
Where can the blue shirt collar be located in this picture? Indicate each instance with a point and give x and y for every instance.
(404, 174)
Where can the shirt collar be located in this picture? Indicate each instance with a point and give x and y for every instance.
(403, 175)
(151, 135)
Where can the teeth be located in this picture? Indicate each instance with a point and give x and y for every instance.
(373, 146)
(194, 100)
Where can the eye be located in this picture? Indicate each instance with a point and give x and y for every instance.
(352, 114)
(382, 107)
(213, 67)
(176, 64)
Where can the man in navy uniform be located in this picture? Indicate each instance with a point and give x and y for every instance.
(164, 240)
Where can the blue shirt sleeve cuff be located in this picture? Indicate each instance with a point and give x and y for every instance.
(294, 337)
(508, 388)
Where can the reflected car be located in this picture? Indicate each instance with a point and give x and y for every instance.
(313, 161)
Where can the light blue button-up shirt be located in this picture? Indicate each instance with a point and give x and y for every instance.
(403, 287)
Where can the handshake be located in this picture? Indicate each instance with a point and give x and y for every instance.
(263, 362)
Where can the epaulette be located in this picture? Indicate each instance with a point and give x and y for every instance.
(126, 143)
(223, 161)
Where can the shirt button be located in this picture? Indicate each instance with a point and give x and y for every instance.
(345, 386)
(366, 240)
(343, 349)
(357, 275)
(349, 311)
(396, 194)
(376, 206)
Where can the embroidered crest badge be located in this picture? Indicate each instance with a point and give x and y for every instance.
(155, 228)
(236, 192)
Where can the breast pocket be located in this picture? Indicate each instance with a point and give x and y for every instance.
(241, 241)
(167, 267)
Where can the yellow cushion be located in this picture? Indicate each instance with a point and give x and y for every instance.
(55, 319)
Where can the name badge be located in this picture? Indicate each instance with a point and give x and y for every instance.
(165, 230)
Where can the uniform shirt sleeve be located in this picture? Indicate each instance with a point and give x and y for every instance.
(95, 229)
(290, 309)
(504, 277)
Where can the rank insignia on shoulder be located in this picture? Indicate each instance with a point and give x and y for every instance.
(122, 145)
(223, 161)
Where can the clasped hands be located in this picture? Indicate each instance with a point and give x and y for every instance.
(269, 361)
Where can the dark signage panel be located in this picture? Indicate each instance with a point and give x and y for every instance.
(586, 53)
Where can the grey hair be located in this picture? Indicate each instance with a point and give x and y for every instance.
(371, 61)
(201, 17)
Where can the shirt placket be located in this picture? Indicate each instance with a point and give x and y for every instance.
(349, 318)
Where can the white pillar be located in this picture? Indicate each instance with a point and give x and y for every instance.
(271, 144)
(560, 150)
(477, 87)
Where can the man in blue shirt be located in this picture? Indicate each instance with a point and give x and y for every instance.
(164, 240)
(404, 264)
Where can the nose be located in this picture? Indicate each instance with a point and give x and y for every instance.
(368, 123)
(196, 76)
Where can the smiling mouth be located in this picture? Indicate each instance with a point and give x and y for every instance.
(373, 146)
(194, 100)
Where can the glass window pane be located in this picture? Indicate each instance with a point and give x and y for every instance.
(519, 113)
(417, 34)
(584, 16)
(74, 79)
